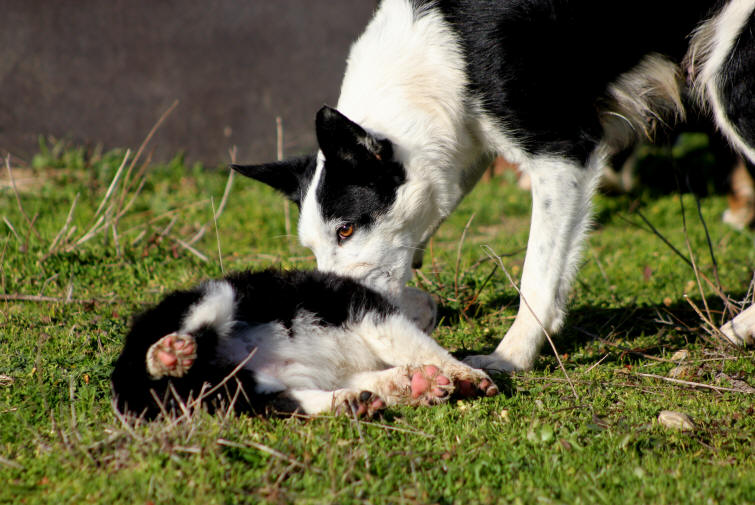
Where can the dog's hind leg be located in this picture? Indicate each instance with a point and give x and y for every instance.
(561, 203)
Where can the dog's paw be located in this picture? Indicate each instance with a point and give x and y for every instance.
(428, 385)
(173, 355)
(497, 363)
(471, 382)
(740, 331)
(357, 403)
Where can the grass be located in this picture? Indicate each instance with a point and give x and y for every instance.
(61, 442)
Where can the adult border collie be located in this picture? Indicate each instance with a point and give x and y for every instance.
(434, 88)
(284, 341)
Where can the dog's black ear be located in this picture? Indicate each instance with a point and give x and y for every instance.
(290, 177)
(342, 139)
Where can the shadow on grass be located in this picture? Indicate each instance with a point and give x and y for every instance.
(631, 330)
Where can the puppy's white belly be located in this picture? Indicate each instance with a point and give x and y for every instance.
(305, 356)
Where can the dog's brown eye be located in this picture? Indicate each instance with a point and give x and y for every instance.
(345, 231)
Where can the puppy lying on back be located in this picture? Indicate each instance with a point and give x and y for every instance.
(297, 341)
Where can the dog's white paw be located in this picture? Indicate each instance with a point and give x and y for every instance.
(172, 355)
(740, 331)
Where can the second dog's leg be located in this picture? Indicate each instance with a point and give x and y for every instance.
(561, 194)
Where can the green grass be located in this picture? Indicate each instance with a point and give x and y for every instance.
(60, 441)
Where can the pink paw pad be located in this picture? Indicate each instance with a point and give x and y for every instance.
(172, 355)
(466, 388)
(428, 385)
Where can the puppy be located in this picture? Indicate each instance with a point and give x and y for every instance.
(285, 342)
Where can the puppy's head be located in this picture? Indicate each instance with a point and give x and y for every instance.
(358, 212)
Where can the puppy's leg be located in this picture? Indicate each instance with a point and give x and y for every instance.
(423, 365)
(561, 194)
(341, 401)
(406, 385)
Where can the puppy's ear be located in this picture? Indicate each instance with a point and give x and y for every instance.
(290, 177)
(341, 139)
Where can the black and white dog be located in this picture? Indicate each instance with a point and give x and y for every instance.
(434, 88)
(295, 341)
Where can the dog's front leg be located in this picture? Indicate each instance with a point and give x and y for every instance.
(561, 194)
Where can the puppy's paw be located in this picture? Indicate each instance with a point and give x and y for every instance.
(173, 355)
(471, 382)
(428, 385)
(357, 403)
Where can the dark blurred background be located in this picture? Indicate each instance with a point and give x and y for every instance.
(102, 72)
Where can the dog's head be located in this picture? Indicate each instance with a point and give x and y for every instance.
(359, 213)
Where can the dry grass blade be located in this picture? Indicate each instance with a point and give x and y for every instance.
(124, 421)
(191, 249)
(692, 259)
(10, 463)
(18, 197)
(140, 150)
(222, 383)
(726, 300)
(36, 298)
(217, 235)
(279, 156)
(709, 327)
(101, 219)
(597, 363)
(215, 213)
(13, 230)
(663, 239)
(489, 251)
(458, 256)
(63, 230)
(658, 234)
(692, 384)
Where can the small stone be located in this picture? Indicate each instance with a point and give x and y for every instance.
(676, 420)
(680, 355)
